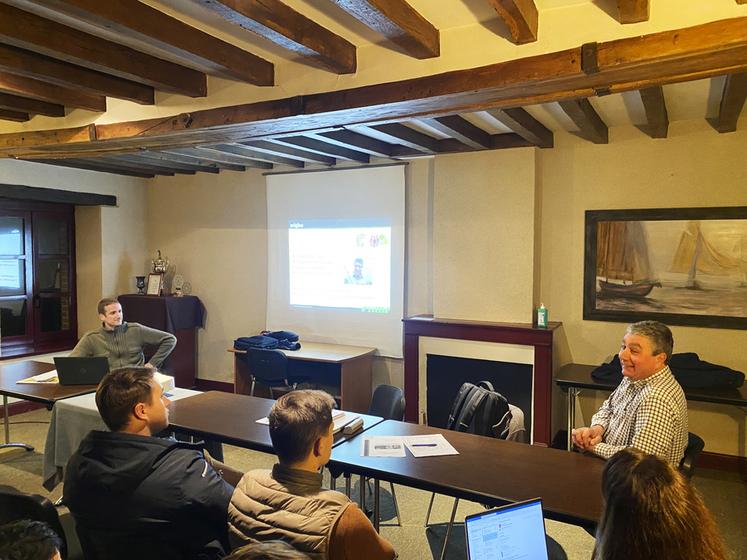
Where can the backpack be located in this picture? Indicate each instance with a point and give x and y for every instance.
(259, 341)
(480, 409)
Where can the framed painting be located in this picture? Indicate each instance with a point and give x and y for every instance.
(680, 266)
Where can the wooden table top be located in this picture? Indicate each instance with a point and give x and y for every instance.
(46, 393)
(488, 471)
(232, 419)
(323, 352)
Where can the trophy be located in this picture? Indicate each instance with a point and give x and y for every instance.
(160, 265)
(140, 283)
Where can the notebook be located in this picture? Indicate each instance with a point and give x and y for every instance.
(507, 533)
(81, 371)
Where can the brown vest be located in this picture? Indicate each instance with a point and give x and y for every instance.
(275, 505)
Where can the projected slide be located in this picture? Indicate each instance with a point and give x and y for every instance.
(340, 264)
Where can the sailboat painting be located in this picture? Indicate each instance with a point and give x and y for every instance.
(681, 266)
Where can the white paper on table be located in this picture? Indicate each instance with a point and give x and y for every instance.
(382, 446)
(335, 415)
(429, 446)
(46, 377)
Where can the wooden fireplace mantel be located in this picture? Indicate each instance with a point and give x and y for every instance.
(508, 333)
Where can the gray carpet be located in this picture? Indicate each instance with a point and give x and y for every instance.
(725, 494)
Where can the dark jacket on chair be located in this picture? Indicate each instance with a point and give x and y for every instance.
(144, 497)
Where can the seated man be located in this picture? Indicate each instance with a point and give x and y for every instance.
(288, 503)
(648, 409)
(123, 342)
(29, 540)
(137, 496)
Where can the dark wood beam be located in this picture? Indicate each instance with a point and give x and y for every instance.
(323, 148)
(33, 106)
(31, 32)
(15, 116)
(44, 91)
(45, 139)
(136, 21)
(40, 194)
(461, 129)
(284, 26)
(295, 153)
(633, 11)
(356, 141)
(91, 166)
(195, 160)
(520, 16)
(130, 162)
(590, 124)
(400, 134)
(241, 150)
(397, 21)
(732, 102)
(30, 65)
(656, 112)
(211, 155)
(168, 161)
(229, 157)
(525, 125)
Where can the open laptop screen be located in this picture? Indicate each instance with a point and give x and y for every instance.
(512, 532)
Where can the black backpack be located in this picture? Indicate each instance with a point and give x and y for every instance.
(480, 409)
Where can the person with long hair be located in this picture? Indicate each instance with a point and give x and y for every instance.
(652, 512)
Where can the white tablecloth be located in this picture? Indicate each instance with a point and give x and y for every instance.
(71, 421)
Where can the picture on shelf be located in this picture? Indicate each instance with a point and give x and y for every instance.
(155, 284)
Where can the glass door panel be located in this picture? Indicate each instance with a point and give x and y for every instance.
(15, 277)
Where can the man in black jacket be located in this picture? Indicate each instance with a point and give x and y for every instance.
(137, 496)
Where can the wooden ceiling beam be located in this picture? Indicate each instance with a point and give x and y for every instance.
(43, 91)
(15, 116)
(525, 125)
(590, 124)
(397, 133)
(33, 106)
(732, 102)
(136, 21)
(323, 148)
(217, 157)
(230, 157)
(91, 166)
(193, 160)
(521, 18)
(284, 26)
(168, 161)
(30, 65)
(462, 130)
(245, 151)
(356, 141)
(656, 112)
(295, 153)
(633, 11)
(31, 32)
(131, 162)
(399, 22)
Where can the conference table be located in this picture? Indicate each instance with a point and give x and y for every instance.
(46, 393)
(574, 377)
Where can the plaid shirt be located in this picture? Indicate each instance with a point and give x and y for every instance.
(649, 414)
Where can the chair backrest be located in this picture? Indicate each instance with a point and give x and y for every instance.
(15, 505)
(388, 402)
(695, 445)
(268, 366)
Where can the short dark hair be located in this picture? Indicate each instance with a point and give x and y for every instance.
(658, 333)
(104, 302)
(267, 550)
(28, 540)
(297, 420)
(118, 393)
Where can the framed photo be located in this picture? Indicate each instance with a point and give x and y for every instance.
(681, 266)
(155, 284)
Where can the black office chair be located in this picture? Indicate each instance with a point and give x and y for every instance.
(389, 403)
(695, 445)
(15, 505)
(270, 368)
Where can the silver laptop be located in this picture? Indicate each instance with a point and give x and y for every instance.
(81, 371)
(507, 533)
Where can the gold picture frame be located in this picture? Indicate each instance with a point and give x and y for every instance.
(155, 284)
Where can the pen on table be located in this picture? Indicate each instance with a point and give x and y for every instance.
(424, 444)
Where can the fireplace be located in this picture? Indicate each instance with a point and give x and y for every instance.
(442, 353)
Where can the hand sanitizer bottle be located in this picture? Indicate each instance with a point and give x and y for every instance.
(542, 316)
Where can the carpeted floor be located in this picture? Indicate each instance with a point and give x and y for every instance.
(725, 494)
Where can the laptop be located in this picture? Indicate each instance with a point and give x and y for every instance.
(81, 371)
(507, 533)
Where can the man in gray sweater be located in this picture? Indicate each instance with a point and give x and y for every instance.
(123, 342)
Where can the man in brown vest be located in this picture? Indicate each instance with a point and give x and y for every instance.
(289, 504)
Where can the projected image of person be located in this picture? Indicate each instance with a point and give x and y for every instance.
(360, 275)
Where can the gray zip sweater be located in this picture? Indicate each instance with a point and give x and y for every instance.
(124, 345)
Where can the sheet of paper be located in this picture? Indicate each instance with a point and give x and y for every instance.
(46, 377)
(335, 415)
(429, 446)
(382, 446)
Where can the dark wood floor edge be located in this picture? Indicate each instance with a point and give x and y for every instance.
(210, 385)
(722, 462)
(20, 407)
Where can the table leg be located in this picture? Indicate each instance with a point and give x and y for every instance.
(7, 430)
(572, 393)
(362, 493)
(376, 515)
(347, 484)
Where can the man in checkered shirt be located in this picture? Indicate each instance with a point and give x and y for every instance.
(648, 409)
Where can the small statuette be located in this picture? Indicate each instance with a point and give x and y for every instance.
(178, 284)
(160, 265)
(140, 283)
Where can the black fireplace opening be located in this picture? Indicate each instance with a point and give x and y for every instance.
(445, 374)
